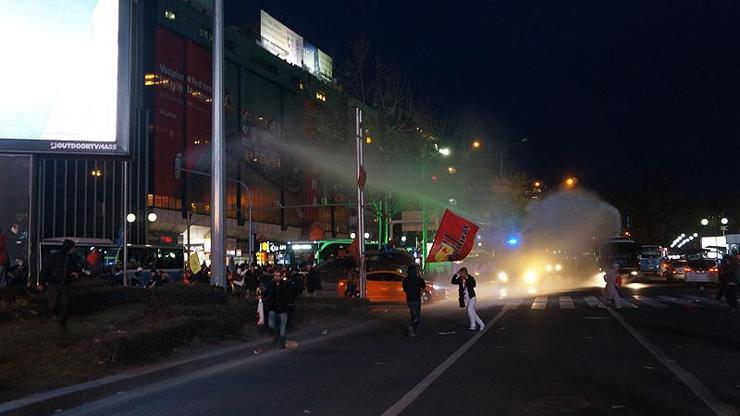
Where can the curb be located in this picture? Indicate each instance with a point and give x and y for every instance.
(77, 394)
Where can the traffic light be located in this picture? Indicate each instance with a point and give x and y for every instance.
(178, 165)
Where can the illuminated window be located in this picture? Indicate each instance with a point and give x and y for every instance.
(169, 15)
(320, 96)
(300, 85)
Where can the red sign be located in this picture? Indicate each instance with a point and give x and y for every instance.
(454, 240)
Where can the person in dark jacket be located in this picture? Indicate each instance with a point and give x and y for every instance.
(466, 290)
(313, 280)
(60, 269)
(733, 280)
(277, 299)
(413, 285)
(726, 270)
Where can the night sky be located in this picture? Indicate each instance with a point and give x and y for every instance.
(616, 92)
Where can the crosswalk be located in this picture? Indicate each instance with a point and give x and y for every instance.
(597, 302)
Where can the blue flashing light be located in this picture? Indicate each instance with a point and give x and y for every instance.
(512, 241)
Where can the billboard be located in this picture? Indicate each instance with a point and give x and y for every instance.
(311, 59)
(65, 76)
(325, 66)
(279, 40)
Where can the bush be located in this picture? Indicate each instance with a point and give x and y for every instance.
(140, 345)
(83, 301)
(173, 294)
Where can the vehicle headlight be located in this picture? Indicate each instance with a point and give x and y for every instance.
(633, 273)
(530, 277)
(558, 267)
(502, 276)
(548, 268)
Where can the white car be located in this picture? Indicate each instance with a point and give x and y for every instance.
(701, 271)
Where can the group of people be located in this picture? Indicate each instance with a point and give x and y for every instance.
(413, 285)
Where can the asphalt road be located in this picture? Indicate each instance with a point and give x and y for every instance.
(674, 351)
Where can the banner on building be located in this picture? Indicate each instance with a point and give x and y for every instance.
(454, 240)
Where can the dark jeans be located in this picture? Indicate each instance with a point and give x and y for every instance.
(58, 300)
(731, 295)
(722, 289)
(415, 309)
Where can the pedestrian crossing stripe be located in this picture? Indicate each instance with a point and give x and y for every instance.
(594, 302)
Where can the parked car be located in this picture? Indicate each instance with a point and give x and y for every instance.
(386, 286)
(701, 271)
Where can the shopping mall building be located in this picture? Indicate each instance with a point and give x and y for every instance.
(274, 111)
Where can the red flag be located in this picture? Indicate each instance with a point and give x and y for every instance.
(362, 178)
(354, 250)
(454, 240)
(93, 257)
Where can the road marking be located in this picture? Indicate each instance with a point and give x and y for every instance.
(650, 302)
(540, 302)
(705, 301)
(592, 301)
(682, 302)
(626, 304)
(566, 302)
(688, 379)
(514, 303)
(415, 392)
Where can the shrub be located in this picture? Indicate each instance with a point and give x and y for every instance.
(173, 294)
(84, 301)
(140, 345)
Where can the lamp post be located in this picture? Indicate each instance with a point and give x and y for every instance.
(501, 154)
(722, 222)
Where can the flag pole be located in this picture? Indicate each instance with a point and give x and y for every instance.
(360, 203)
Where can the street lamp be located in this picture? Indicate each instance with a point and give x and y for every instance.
(131, 217)
(476, 144)
(571, 182)
(704, 221)
(444, 151)
(352, 235)
(501, 155)
(724, 221)
(427, 157)
(367, 235)
(152, 217)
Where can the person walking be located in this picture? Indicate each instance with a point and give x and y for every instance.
(466, 291)
(610, 291)
(277, 299)
(313, 281)
(413, 285)
(732, 281)
(726, 270)
(4, 259)
(60, 269)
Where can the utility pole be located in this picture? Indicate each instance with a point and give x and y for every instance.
(218, 255)
(360, 202)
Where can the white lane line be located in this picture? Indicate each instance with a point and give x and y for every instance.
(566, 302)
(650, 302)
(688, 379)
(415, 392)
(540, 302)
(705, 301)
(678, 301)
(514, 303)
(593, 302)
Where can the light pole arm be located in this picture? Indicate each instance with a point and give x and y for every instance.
(249, 193)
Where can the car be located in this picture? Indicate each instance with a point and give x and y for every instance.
(701, 271)
(386, 286)
(676, 270)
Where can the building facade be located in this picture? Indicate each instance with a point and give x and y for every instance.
(278, 118)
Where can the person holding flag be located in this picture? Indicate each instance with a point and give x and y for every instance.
(466, 289)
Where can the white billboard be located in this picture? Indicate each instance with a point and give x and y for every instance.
(279, 40)
(325, 66)
(64, 88)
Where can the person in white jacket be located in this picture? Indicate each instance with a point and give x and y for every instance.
(610, 291)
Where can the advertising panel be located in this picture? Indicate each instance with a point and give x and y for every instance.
(65, 76)
(169, 107)
(311, 59)
(325, 66)
(279, 40)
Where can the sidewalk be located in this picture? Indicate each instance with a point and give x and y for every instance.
(75, 395)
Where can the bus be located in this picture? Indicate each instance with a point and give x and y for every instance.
(622, 251)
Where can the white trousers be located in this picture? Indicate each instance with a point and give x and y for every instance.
(473, 315)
